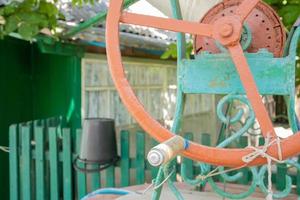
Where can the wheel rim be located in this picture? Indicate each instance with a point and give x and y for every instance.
(211, 155)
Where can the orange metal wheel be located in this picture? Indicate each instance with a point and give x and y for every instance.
(227, 31)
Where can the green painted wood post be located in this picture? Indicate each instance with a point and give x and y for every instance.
(81, 177)
(39, 162)
(188, 162)
(298, 179)
(205, 139)
(26, 162)
(13, 162)
(53, 157)
(280, 176)
(95, 178)
(154, 170)
(110, 177)
(243, 142)
(140, 158)
(67, 164)
(125, 159)
(46, 124)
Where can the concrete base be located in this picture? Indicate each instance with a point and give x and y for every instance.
(187, 195)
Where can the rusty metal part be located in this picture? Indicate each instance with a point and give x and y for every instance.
(266, 28)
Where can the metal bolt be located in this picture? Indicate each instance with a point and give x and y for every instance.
(155, 157)
(226, 30)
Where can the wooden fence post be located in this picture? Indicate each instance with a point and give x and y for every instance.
(26, 162)
(125, 159)
(53, 157)
(81, 177)
(40, 162)
(14, 162)
(67, 164)
(140, 158)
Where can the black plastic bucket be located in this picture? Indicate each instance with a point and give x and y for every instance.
(98, 144)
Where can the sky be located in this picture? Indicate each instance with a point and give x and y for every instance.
(143, 7)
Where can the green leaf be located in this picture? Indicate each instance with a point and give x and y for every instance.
(27, 31)
(166, 55)
(11, 24)
(48, 9)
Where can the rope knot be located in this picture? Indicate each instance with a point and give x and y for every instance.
(262, 152)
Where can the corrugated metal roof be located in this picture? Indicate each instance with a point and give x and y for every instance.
(135, 34)
(131, 35)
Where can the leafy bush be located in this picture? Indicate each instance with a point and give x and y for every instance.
(28, 18)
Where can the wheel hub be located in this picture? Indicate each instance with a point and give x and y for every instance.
(266, 29)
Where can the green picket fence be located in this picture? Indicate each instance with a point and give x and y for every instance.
(42, 154)
(41, 163)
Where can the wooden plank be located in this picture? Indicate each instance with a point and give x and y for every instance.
(81, 177)
(298, 179)
(110, 177)
(67, 164)
(280, 176)
(39, 163)
(188, 162)
(45, 124)
(243, 142)
(53, 157)
(13, 163)
(154, 170)
(140, 158)
(95, 178)
(26, 162)
(205, 139)
(125, 159)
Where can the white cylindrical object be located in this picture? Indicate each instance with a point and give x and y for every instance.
(192, 10)
(164, 152)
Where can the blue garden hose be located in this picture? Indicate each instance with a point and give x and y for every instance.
(107, 191)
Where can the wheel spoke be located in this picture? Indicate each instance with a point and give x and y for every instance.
(251, 90)
(245, 8)
(167, 24)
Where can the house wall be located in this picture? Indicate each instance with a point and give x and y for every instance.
(154, 82)
(16, 96)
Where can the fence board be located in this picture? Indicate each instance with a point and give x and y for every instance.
(280, 176)
(67, 164)
(188, 162)
(154, 170)
(26, 162)
(125, 159)
(140, 158)
(243, 142)
(39, 162)
(95, 178)
(53, 156)
(110, 177)
(81, 177)
(298, 179)
(13, 162)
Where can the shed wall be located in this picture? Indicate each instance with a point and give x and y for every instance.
(16, 96)
(33, 86)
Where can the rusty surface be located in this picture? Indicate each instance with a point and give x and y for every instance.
(266, 28)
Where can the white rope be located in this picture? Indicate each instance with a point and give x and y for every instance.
(158, 186)
(215, 173)
(4, 148)
(262, 152)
